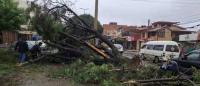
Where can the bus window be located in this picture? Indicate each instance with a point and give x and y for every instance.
(159, 47)
(172, 48)
(150, 47)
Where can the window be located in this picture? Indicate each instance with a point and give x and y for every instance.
(161, 33)
(172, 48)
(144, 46)
(193, 56)
(150, 47)
(159, 47)
(143, 35)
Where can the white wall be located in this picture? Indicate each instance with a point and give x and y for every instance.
(22, 3)
(189, 37)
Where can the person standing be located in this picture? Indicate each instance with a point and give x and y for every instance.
(22, 47)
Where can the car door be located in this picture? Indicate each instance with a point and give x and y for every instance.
(191, 59)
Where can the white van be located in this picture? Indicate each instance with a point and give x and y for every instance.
(160, 50)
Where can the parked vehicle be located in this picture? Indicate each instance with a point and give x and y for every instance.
(190, 59)
(160, 50)
(32, 43)
(119, 47)
(44, 48)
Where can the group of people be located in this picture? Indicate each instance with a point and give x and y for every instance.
(22, 48)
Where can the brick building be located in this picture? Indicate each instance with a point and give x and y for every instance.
(113, 30)
(132, 35)
(128, 35)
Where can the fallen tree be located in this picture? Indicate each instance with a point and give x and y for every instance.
(65, 30)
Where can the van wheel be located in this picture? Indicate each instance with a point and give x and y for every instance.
(156, 60)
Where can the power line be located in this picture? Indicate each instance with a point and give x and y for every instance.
(189, 22)
(194, 26)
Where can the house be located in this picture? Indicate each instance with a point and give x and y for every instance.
(132, 35)
(113, 30)
(126, 35)
(163, 31)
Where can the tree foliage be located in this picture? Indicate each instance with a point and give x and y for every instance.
(63, 28)
(11, 17)
(48, 25)
(90, 21)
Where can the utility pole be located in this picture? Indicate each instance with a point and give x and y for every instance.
(149, 22)
(96, 18)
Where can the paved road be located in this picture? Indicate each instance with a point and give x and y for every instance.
(129, 54)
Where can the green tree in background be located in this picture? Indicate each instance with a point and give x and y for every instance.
(90, 21)
(11, 17)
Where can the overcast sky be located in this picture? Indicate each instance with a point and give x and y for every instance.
(137, 12)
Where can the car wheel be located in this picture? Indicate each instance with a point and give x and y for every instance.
(156, 60)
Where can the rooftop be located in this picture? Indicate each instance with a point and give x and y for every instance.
(164, 22)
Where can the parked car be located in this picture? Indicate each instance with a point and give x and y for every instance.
(44, 48)
(190, 59)
(32, 43)
(160, 50)
(119, 47)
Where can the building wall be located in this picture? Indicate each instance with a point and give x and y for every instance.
(167, 37)
(8, 37)
(112, 30)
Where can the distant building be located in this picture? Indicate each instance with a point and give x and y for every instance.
(126, 35)
(164, 31)
(132, 35)
(113, 30)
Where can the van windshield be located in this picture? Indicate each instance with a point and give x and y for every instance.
(172, 48)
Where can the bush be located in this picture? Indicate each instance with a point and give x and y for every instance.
(82, 72)
(8, 57)
(5, 69)
(196, 75)
(89, 73)
(7, 60)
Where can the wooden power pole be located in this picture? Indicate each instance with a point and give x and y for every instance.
(96, 18)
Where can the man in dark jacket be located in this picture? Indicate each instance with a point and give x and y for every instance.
(22, 47)
(35, 50)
